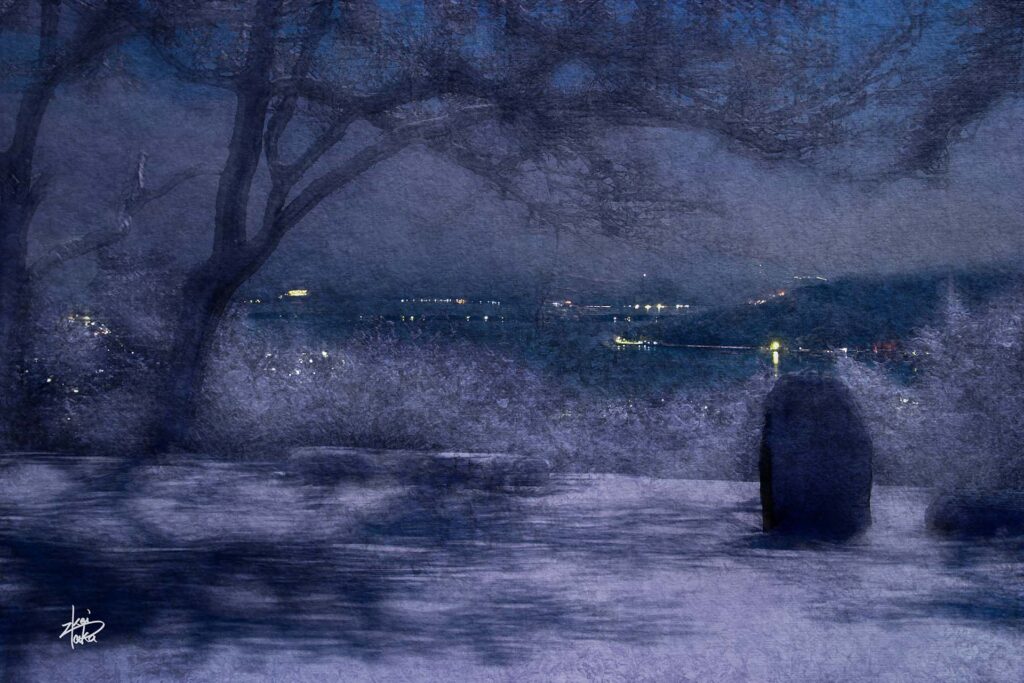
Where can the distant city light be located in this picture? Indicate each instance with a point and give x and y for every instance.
(88, 321)
(775, 345)
(449, 300)
(297, 292)
(622, 341)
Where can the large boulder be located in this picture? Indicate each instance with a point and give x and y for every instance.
(816, 457)
(977, 513)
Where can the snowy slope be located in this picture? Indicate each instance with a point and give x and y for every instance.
(210, 571)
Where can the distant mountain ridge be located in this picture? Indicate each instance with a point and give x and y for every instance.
(851, 311)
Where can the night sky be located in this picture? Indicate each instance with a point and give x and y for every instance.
(418, 224)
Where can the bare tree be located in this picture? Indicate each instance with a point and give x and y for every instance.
(302, 72)
(67, 46)
(271, 75)
(989, 67)
(138, 193)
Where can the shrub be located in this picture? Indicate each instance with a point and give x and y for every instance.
(268, 392)
(960, 421)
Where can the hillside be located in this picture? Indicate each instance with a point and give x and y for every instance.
(853, 311)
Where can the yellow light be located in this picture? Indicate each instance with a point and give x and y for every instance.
(622, 341)
(775, 346)
(297, 292)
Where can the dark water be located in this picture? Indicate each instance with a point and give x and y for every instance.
(582, 352)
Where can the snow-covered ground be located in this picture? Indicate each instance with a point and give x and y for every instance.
(205, 570)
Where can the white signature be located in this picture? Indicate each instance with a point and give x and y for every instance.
(79, 629)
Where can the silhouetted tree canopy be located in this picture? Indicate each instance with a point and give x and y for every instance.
(518, 92)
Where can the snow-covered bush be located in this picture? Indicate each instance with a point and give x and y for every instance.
(96, 354)
(960, 420)
(268, 391)
(90, 389)
(893, 415)
(97, 374)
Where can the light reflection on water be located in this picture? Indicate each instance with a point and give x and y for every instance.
(582, 352)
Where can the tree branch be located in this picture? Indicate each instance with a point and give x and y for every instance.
(135, 198)
(390, 144)
(284, 110)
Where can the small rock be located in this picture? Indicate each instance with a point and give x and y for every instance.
(977, 513)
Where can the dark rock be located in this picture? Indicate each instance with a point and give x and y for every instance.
(816, 459)
(977, 513)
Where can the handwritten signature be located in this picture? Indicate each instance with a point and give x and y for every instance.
(79, 629)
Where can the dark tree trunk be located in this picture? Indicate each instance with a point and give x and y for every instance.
(205, 298)
(209, 288)
(17, 204)
(20, 194)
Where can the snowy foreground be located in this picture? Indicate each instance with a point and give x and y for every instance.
(206, 570)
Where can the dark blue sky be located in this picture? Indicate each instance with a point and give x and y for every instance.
(872, 200)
